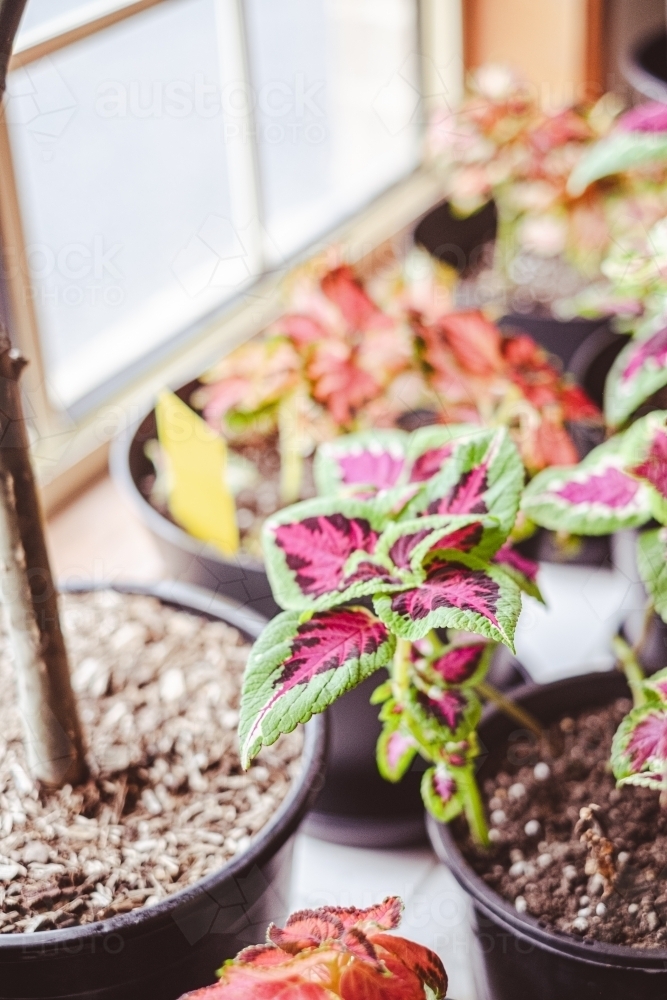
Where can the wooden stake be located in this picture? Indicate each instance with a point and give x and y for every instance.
(53, 735)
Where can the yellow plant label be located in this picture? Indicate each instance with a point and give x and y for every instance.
(196, 459)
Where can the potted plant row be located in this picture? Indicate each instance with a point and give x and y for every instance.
(314, 375)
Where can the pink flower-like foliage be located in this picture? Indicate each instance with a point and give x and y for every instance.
(380, 469)
(447, 709)
(333, 952)
(649, 117)
(613, 488)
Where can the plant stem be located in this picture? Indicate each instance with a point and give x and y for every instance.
(401, 671)
(54, 739)
(635, 676)
(473, 805)
(509, 708)
(291, 459)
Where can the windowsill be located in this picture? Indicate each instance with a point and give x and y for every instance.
(75, 454)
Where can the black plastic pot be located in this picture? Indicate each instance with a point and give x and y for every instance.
(176, 945)
(243, 579)
(456, 241)
(561, 337)
(519, 957)
(646, 67)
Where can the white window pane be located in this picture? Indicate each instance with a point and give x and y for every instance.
(337, 106)
(122, 174)
(49, 17)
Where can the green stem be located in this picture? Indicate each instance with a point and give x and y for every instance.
(401, 671)
(646, 624)
(472, 804)
(291, 459)
(634, 674)
(509, 708)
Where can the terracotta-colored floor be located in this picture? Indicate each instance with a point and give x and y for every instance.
(98, 537)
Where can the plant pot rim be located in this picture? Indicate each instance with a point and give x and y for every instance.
(634, 71)
(173, 534)
(526, 926)
(280, 827)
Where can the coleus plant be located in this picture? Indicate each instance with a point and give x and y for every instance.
(333, 952)
(622, 484)
(402, 563)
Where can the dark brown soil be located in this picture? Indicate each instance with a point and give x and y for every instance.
(167, 801)
(540, 864)
(253, 505)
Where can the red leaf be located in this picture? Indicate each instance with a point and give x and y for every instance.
(450, 585)
(343, 288)
(460, 663)
(305, 929)
(339, 383)
(424, 962)
(385, 915)
(447, 709)
(302, 330)
(510, 557)
(464, 539)
(654, 467)
(402, 549)
(475, 341)
(612, 487)
(317, 548)
(361, 981)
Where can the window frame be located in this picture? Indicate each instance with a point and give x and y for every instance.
(68, 453)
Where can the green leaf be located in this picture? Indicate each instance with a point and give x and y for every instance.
(596, 497)
(639, 370)
(298, 668)
(617, 152)
(652, 563)
(463, 593)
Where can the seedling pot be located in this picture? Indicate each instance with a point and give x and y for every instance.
(176, 945)
(459, 242)
(520, 958)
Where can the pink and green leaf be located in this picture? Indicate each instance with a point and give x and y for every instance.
(638, 371)
(321, 552)
(596, 497)
(298, 668)
(652, 565)
(405, 544)
(440, 794)
(370, 460)
(523, 571)
(646, 449)
(484, 475)
(459, 665)
(639, 748)
(463, 593)
(430, 447)
(395, 752)
(444, 715)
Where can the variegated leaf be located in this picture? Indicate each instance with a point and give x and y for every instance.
(297, 668)
(407, 543)
(465, 593)
(430, 447)
(596, 497)
(372, 460)
(459, 665)
(646, 451)
(484, 475)
(622, 150)
(652, 564)
(321, 552)
(444, 715)
(395, 752)
(639, 748)
(523, 571)
(638, 371)
(440, 794)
